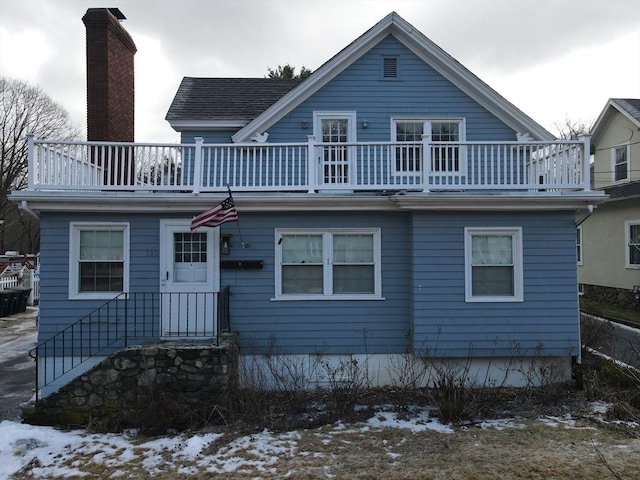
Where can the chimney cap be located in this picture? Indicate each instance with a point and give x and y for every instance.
(117, 13)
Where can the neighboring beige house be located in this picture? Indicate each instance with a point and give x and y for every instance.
(609, 239)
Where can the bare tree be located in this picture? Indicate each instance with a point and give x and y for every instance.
(288, 71)
(24, 109)
(572, 129)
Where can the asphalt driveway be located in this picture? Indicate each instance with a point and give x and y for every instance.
(17, 369)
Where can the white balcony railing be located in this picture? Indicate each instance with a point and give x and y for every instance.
(309, 167)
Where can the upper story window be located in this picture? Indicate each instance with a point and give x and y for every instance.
(632, 234)
(99, 260)
(493, 265)
(620, 163)
(390, 68)
(444, 158)
(334, 264)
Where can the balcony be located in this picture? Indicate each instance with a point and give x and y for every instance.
(309, 167)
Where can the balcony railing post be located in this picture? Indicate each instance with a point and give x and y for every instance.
(312, 164)
(426, 162)
(197, 166)
(586, 162)
(31, 169)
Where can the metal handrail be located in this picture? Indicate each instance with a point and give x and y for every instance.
(126, 320)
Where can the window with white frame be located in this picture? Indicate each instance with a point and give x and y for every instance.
(333, 263)
(99, 260)
(579, 244)
(632, 234)
(620, 162)
(493, 264)
(409, 132)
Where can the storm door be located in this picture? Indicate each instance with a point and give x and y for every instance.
(335, 132)
(189, 280)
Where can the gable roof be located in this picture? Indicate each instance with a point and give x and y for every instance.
(629, 107)
(415, 41)
(230, 102)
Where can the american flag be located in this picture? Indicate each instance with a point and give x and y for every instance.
(221, 213)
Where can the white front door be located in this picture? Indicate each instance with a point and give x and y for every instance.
(189, 279)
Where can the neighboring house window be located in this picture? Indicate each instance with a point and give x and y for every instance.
(99, 260)
(579, 244)
(632, 229)
(620, 163)
(493, 265)
(444, 158)
(336, 263)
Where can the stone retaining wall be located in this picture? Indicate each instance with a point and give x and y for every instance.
(164, 383)
(613, 296)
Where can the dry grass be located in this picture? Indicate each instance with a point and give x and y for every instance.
(531, 450)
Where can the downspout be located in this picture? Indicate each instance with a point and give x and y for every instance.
(579, 359)
(586, 215)
(25, 206)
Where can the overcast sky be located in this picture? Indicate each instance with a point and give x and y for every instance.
(554, 59)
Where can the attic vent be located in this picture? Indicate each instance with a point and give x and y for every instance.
(390, 67)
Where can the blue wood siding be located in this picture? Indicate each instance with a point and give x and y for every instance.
(545, 323)
(322, 326)
(56, 310)
(420, 91)
(424, 304)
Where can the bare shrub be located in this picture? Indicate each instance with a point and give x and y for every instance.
(347, 382)
(451, 389)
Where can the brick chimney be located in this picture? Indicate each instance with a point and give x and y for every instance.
(110, 79)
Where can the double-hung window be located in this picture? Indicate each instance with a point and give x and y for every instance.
(408, 134)
(99, 260)
(493, 265)
(620, 163)
(632, 234)
(334, 263)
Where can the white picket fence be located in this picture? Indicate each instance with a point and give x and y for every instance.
(13, 280)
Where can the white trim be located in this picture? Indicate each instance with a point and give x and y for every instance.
(627, 147)
(349, 115)
(180, 125)
(627, 242)
(426, 50)
(74, 252)
(327, 238)
(179, 203)
(516, 245)
(428, 121)
(602, 121)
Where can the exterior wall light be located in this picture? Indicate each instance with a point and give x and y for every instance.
(365, 123)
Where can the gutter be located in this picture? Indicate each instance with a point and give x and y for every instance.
(585, 216)
(25, 206)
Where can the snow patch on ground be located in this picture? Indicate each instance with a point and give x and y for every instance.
(49, 452)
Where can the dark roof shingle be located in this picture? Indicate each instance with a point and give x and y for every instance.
(629, 105)
(227, 98)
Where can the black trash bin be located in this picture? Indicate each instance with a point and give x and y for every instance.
(22, 297)
(6, 298)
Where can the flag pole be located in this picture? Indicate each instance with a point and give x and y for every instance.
(243, 244)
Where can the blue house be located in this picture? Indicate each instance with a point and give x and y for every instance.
(389, 205)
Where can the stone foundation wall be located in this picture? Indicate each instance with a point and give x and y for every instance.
(613, 296)
(180, 380)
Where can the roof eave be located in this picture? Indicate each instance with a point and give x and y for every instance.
(421, 46)
(602, 121)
